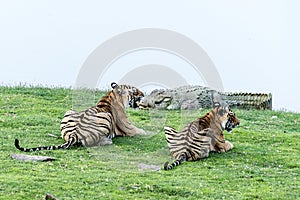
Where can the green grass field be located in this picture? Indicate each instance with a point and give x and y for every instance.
(263, 165)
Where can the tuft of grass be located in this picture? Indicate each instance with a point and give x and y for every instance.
(263, 165)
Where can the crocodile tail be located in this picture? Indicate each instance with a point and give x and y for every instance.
(260, 101)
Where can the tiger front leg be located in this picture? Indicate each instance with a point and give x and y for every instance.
(227, 146)
(129, 130)
(222, 147)
(136, 131)
(96, 141)
(140, 131)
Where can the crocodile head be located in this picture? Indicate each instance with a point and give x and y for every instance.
(159, 99)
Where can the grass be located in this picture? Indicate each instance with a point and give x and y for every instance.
(263, 165)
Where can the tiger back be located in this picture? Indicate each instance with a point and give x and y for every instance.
(203, 135)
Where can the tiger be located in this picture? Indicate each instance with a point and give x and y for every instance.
(203, 135)
(98, 125)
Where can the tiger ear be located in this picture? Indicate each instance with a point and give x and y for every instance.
(120, 91)
(216, 104)
(216, 99)
(134, 90)
(114, 85)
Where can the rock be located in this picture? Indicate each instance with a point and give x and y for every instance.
(51, 197)
(143, 166)
(24, 157)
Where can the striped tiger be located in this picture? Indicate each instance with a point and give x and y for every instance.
(203, 135)
(100, 124)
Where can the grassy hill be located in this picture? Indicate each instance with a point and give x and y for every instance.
(263, 165)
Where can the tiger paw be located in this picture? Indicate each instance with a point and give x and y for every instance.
(228, 145)
(141, 132)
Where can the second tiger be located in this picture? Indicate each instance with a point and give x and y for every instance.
(202, 136)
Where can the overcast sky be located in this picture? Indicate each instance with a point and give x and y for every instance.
(254, 44)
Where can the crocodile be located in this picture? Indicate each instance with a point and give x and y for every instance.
(196, 97)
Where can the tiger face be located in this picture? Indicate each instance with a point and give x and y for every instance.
(130, 95)
(232, 122)
(136, 96)
(220, 112)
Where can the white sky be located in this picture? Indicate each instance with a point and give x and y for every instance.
(254, 44)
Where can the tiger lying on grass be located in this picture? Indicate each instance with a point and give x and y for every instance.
(203, 135)
(98, 125)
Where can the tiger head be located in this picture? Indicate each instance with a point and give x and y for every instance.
(223, 115)
(130, 95)
(232, 122)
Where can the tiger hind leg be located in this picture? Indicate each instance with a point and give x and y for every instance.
(105, 141)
